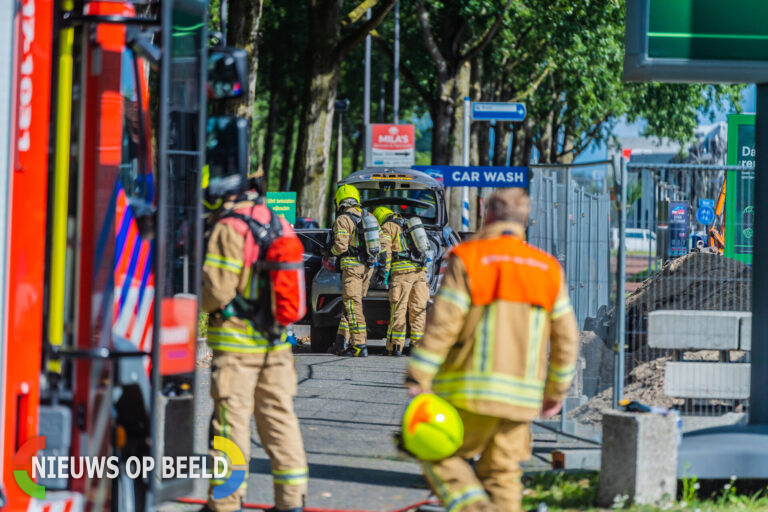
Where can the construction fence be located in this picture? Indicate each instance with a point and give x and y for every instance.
(684, 268)
(571, 219)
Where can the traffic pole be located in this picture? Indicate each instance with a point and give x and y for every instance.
(367, 91)
(396, 64)
(465, 163)
(758, 396)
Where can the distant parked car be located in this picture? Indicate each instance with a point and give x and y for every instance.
(635, 240)
(314, 242)
(306, 223)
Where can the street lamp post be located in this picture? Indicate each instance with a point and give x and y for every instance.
(340, 106)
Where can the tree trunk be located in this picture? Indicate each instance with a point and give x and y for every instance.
(285, 165)
(243, 23)
(567, 157)
(501, 144)
(484, 143)
(269, 138)
(314, 142)
(523, 143)
(458, 93)
(441, 126)
(545, 142)
(313, 146)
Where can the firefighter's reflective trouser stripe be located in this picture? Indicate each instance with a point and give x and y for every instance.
(245, 340)
(260, 385)
(354, 285)
(408, 293)
(494, 485)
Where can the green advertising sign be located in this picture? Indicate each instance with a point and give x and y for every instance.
(283, 204)
(739, 199)
(696, 40)
(708, 29)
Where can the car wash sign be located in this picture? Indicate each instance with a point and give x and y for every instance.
(477, 175)
(390, 145)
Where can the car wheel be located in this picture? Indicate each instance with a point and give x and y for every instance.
(321, 338)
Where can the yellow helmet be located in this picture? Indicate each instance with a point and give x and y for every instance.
(347, 192)
(381, 213)
(432, 428)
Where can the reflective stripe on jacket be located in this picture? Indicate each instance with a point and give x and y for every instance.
(501, 334)
(392, 243)
(345, 237)
(227, 270)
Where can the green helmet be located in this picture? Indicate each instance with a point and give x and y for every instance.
(432, 428)
(381, 213)
(345, 192)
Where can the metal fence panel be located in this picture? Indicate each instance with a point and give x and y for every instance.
(573, 223)
(695, 299)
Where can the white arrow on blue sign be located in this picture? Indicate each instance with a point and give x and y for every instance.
(493, 111)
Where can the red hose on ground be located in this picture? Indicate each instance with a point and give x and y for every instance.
(197, 501)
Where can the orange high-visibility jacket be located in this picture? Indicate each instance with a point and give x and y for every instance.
(501, 334)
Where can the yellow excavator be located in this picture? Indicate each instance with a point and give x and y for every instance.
(716, 232)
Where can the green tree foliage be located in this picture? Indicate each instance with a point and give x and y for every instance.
(563, 58)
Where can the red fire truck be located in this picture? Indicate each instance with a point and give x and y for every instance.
(102, 135)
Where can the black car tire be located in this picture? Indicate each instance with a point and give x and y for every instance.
(321, 338)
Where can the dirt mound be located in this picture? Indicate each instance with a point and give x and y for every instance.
(698, 281)
(646, 385)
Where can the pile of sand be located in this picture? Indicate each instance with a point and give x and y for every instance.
(698, 281)
(646, 385)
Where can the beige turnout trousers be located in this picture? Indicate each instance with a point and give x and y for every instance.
(355, 280)
(263, 386)
(408, 294)
(494, 485)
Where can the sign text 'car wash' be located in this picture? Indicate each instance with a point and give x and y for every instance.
(477, 176)
(391, 145)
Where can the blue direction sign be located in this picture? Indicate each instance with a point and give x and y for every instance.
(709, 203)
(477, 176)
(493, 111)
(705, 215)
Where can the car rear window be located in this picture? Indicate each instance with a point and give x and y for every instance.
(427, 210)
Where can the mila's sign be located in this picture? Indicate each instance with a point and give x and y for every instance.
(391, 145)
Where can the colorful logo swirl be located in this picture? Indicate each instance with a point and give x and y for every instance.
(21, 459)
(236, 458)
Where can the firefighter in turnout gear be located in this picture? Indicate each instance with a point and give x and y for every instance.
(500, 345)
(405, 272)
(349, 245)
(252, 372)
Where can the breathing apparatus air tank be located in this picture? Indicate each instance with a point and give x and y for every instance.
(418, 235)
(371, 234)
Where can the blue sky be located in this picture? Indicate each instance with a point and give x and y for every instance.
(624, 129)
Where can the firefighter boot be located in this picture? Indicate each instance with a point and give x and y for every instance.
(356, 351)
(340, 346)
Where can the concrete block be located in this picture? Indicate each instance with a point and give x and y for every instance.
(745, 336)
(576, 458)
(598, 364)
(639, 458)
(706, 380)
(698, 330)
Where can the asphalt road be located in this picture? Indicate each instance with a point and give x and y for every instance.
(349, 410)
